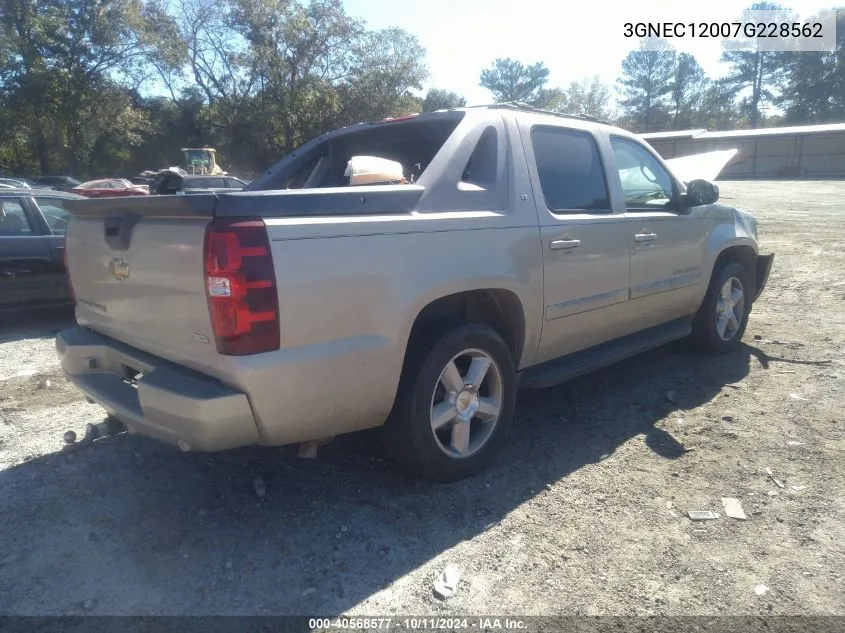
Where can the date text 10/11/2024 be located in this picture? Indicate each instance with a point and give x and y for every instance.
(422, 623)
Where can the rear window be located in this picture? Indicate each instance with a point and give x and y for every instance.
(570, 170)
(412, 143)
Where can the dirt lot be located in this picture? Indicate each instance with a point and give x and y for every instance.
(584, 514)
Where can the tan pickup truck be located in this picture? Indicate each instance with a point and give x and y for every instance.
(492, 248)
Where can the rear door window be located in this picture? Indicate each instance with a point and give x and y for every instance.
(570, 170)
(13, 219)
(55, 214)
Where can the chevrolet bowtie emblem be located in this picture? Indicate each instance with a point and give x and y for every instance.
(119, 269)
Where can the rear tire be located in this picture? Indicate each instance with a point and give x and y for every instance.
(454, 407)
(723, 316)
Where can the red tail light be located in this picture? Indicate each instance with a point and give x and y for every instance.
(67, 274)
(240, 285)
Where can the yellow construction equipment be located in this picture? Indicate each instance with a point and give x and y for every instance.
(202, 161)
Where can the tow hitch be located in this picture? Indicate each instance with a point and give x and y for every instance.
(110, 426)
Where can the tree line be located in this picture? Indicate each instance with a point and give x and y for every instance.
(663, 90)
(255, 78)
(660, 89)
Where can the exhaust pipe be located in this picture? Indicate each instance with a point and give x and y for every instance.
(308, 450)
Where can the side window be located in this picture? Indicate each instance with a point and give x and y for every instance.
(169, 186)
(645, 183)
(55, 213)
(13, 220)
(570, 170)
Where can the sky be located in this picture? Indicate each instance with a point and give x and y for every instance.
(462, 37)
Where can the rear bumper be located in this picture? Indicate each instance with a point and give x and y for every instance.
(167, 403)
(764, 267)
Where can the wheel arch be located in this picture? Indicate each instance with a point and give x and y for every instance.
(729, 241)
(743, 254)
(499, 308)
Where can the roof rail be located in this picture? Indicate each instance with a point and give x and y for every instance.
(518, 105)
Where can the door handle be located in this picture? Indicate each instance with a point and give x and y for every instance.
(645, 237)
(564, 244)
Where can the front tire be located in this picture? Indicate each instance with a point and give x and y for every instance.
(454, 407)
(723, 315)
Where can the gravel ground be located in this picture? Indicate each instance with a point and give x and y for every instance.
(584, 514)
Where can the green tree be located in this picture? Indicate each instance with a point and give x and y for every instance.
(838, 75)
(588, 96)
(688, 85)
(254, 78)
(387, 67)
(68, 62)
(317, 68)
(716, 110)
(758, 72)
(509, 80)
(215, 57)
(646, 84)
(814, 86)
(438, 99)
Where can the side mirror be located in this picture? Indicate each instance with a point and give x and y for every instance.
(701, 192)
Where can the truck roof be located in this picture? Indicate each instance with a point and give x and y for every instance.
(583, 119)
(515, 106)
(524, 107)
(436, 118)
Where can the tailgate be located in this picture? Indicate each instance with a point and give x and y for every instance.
(136, 267)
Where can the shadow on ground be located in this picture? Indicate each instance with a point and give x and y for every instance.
(128, 526)
(18, 325)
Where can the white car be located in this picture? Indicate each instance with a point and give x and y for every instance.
(14, 183)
